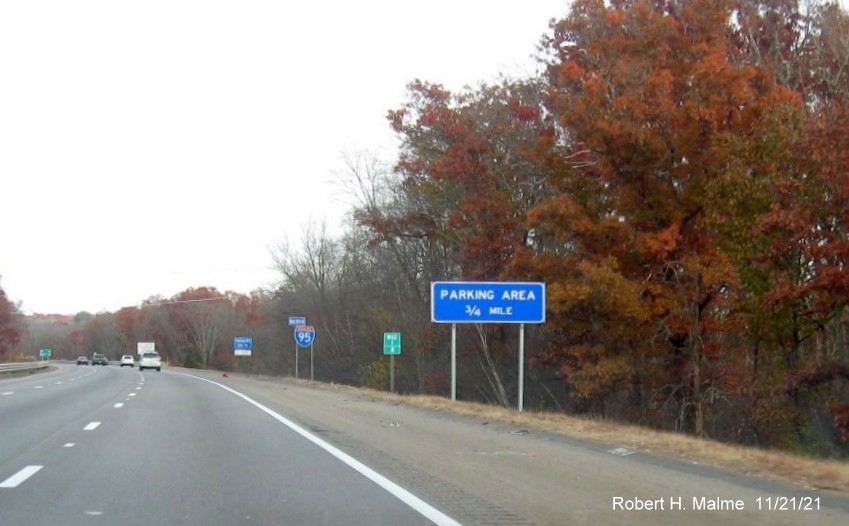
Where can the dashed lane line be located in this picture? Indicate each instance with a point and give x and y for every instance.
(21, 476)
(18, 478)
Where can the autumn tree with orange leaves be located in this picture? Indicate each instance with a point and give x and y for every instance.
(468, 174)
(676, 181)
(658, 114)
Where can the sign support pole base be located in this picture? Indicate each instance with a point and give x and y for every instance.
(521, 367)
(391, 373)
(453, 361)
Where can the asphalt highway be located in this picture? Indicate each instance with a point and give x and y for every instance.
(105, 445)
(110, 446)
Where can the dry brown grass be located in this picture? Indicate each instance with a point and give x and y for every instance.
(775, 465)
(806, 472)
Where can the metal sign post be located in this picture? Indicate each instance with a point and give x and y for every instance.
(294, 321)
(453, 361)
(487, 302)
(304, 337)
(521, 367)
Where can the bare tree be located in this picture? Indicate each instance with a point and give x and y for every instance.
(102, 335)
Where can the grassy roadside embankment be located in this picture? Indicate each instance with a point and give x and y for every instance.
(806, 472)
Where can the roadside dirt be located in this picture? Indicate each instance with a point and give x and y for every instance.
(485, 465)
(775, 465)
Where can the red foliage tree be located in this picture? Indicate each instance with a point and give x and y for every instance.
(658, 112)
(468, 171)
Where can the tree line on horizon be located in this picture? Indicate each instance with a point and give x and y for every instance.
(676, 175)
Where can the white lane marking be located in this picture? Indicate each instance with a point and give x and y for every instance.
(38, 387)
(7, 393)
(19, 477)
(132, 394)
(428, 511)
(91, 427)
(119, 405)
(69, 444)
(58, 383)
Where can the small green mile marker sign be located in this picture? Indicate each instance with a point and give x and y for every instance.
(391, 343)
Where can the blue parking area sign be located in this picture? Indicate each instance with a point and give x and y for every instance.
(487, 302)
(243, 342)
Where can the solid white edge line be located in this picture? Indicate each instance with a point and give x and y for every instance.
(19, 477)
(428, 511)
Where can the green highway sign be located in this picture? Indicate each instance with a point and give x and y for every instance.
(45, 353)
(392, 343)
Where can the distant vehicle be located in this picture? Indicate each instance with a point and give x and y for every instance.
(99, 359)
(82, 360)
(150, 360)
(128, 359)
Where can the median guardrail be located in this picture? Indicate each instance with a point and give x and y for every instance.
(22, 366)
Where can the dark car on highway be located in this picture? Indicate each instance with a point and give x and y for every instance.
(99, 359)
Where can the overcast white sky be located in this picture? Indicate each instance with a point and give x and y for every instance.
(151, 146)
